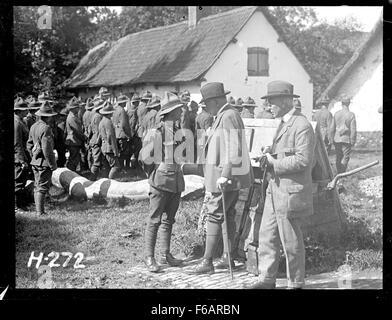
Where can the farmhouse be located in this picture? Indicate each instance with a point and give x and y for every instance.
(362, 79)
(243, 48)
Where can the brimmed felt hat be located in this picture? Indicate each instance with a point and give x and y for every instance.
(280, 89)
(170, 102)
(213, 90)
(346, 100)
(89, 104)
(154, 102)
(20, 104)
(32, 102)
(98, 104)
(323, 101)
(297, 103)
(238, 103)
(45, 110)
(107, 108)
(44, 96)
(104, 92)
(73, 103)
(122, 99)
(135, 97)
(63, 112)
(147, 95)
(249, 102)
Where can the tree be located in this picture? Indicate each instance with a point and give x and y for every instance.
(322, 48)
(45, 58)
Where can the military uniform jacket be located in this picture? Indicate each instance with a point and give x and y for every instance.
(108, 137)
(344, 127)
(121, 123)
(29, 120)
(21, 134)
(225, 153)
(150, 121)
(133, 120)
(165, 174)
(141, 113)
(74, 130)
(40, 145)
(185, 122)
(291, 184)
(87, 117)
(324, 119)
(60, 128)
(204, 120)
(94, 130)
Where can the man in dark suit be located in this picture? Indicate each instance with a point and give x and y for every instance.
(75, 137)
(40, 146)
(226, 168)
(166, 183)
(289, 197)
(344, 132)
(107, 135)
(21, 134)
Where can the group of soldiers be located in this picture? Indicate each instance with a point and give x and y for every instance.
(106, 133)
(339, 130)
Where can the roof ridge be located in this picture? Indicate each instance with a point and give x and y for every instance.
(370, 36)
(220, 14)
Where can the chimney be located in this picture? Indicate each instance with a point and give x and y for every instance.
(194, 15)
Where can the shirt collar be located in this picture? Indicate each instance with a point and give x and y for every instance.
(287, 116)
(221, 109)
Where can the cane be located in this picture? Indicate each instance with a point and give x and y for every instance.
(224, 231)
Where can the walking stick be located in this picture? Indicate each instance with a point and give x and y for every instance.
(224, 231)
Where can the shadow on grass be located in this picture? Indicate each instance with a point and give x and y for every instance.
(42, 234)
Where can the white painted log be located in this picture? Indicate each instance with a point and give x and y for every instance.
(83, 188)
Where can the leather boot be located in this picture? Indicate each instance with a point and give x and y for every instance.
(39, 199)
(223, 262)
(170, 260)
(204, 267)
(150, 238)
(151, 264)
(165, 233)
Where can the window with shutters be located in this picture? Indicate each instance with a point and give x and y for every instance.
(258, 62)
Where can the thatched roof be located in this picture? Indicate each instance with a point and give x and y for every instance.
(168, 54)
(336, 82)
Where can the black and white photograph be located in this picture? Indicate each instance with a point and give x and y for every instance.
(198, 147)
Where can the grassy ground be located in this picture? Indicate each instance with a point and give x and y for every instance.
(110, 235)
